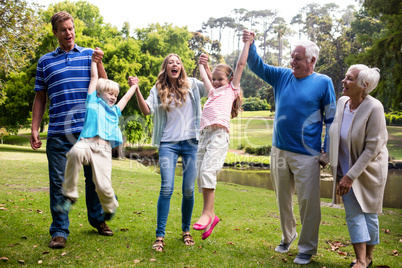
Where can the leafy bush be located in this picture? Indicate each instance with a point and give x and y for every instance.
(240, 146)
(394, 118)
(261, 150)
(255, 104)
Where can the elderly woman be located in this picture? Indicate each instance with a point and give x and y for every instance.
(359, 157)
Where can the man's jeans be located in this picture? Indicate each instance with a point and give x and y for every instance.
(169, 152)
(56, 150)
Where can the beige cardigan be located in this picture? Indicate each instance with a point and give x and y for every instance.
(368, 154)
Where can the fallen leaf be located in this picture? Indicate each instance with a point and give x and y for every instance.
(40, 261)
(39, 211)
(137, 261)
(343, 253)
(3, 208)
(4, 258)
(400, 240)
(387, 231)
(21, 261)
(64, 253)
(124, 229)
(128, 245)
(152, 260)
(35, 246)
(395, 253)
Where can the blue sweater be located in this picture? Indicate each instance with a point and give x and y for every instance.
(301, 106)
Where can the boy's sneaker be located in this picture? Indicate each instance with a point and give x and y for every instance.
(303, 258)
(108, 216)
(284, 247)
(65, 206)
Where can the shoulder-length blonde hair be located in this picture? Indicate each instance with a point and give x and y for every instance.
(238, 102)
(165, 88)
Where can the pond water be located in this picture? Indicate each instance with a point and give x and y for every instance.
(262, 179)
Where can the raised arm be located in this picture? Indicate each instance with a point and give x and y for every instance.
(204, 61)
(204, 74)
(94, 75)
(241, 63)
(98, 53)
(140, 99)
(134, 87)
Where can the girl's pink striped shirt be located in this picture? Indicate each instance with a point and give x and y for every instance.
(218, 107)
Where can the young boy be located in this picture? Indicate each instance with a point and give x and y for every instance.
(100, 133)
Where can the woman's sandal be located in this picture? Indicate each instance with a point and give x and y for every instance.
(188, 239)
(158, 244)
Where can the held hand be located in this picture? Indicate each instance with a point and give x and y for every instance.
(97, 55)
(133, 81)
(344, 185)
(203, 60)
(34, 140)
(323, 159)
(248, 36)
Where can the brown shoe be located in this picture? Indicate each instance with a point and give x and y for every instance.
(103, 229)
(57, 242)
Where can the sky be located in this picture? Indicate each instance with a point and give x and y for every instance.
(190, 13)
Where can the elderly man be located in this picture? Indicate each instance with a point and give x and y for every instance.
(303, 101)
(63, 75)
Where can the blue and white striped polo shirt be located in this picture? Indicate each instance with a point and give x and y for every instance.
(65, 76)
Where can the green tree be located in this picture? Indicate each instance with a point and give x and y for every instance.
(384, 49)
(15, 111)
(325, 25)
(200, 44)
(161, 40)
(16, 108)
(20, 30)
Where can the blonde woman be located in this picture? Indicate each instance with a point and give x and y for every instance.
(359, 158)
(175, 103)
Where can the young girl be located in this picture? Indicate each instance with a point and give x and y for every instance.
(224, 102)
(100, 133)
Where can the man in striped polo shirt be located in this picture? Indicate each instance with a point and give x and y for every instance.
(63, 76)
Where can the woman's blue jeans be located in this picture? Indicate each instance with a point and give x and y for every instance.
(169, 152)
(56, 150)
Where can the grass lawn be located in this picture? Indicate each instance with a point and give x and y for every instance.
(245, 237)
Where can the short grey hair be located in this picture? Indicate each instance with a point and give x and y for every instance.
(312, 50)
(367, 78)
